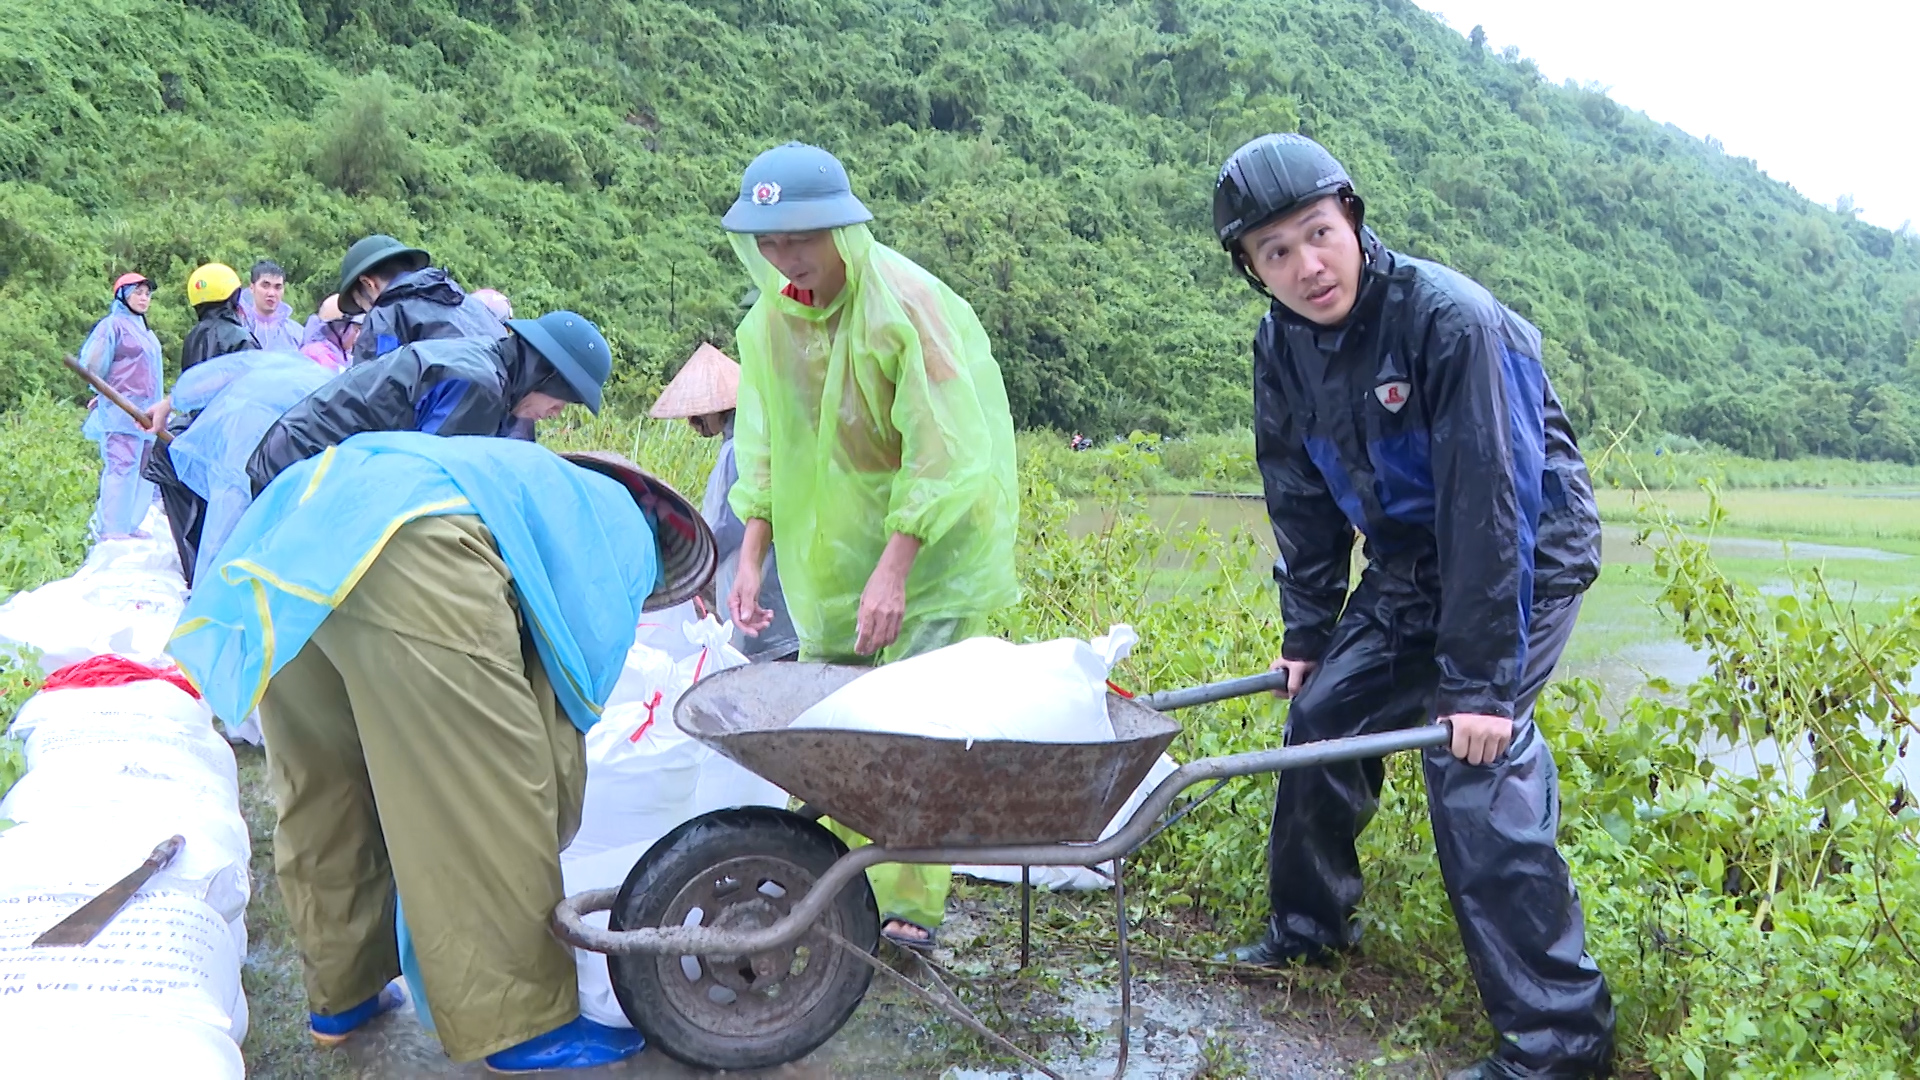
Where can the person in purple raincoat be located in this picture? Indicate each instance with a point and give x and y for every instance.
(124, 352)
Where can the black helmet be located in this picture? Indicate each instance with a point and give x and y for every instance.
(1270, 176)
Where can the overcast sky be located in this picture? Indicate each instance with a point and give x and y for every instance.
(1825, 96)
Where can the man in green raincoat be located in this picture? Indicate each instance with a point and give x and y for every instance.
(875, 447)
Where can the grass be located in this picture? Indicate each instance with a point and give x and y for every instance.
(1885, 517)
(277, 1043)
(1224, 462)
(668, 449)
(1618, 617)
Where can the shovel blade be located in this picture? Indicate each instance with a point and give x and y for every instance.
(86, 923)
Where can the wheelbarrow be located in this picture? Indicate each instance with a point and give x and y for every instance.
(744, 938)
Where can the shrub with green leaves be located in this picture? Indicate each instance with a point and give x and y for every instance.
(1756, 923)
(49, 479)
(1052, 160)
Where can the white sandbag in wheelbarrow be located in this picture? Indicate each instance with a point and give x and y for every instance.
(985, 688)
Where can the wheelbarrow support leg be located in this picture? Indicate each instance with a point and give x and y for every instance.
(1026, 913)
(1126, 965)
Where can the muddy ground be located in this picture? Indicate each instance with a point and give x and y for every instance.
(1188, 1020)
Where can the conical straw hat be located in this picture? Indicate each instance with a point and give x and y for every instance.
(709, 382)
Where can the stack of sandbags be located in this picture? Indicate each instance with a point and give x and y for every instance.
(119, 760)
(125, 601)
(645, 777)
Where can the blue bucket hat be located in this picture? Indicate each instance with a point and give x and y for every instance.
(575, 348)
(794, 188)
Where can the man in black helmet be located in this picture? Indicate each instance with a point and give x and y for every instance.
(1396, 398)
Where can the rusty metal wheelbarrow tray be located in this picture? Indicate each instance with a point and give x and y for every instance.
(908, 791)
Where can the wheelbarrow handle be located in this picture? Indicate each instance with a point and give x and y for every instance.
(1207, 694)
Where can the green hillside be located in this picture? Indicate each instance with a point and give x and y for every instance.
(1052, 159)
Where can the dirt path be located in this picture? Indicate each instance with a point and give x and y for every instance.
(1064, 1007)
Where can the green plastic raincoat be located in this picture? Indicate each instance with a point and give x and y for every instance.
(882, 412)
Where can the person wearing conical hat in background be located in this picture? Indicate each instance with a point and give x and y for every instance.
(406, 299)
(704, 394)
(875, 448)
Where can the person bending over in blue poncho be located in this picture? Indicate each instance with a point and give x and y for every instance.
(453, 386)
(428, 626)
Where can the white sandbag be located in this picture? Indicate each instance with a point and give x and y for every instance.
(159, 785)
(164, 957)
(110, 741)
(155, 554)
(104, 610)
(126, 1046)
(641, 774)
(152, 704)
(724, 785)
(712, 652)
(600, 870)
(666, 630)
(83, 852)
(642, 771)
(647, 677)
(1080, 877)
(985, 688)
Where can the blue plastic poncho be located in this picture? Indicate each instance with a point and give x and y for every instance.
(581, 553)
(238, 397)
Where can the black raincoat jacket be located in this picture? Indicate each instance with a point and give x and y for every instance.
(424, 305)
(1425, 422)
(462, 386)
(218, 333)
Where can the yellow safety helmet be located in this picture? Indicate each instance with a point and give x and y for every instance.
(211, 284)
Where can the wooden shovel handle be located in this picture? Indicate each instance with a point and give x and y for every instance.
(116, 397)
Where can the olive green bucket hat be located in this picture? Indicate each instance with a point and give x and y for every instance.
(368, 253)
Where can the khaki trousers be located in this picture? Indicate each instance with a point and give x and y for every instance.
(415, 743)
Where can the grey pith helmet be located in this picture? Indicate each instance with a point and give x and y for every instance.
(794, 188)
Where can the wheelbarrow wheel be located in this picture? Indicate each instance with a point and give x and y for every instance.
(742, 869)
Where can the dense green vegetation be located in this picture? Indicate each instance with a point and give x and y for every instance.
(1051, 158)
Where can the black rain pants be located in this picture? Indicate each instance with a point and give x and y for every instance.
(1494, 827)
(186, 511)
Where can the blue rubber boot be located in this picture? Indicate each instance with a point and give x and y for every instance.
(581, 1044)
(333, 1030)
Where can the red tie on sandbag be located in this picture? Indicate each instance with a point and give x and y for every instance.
(111, 670)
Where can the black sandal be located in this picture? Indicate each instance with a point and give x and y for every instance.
(919, 945)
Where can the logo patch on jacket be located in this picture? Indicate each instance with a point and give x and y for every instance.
(1393, 395)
